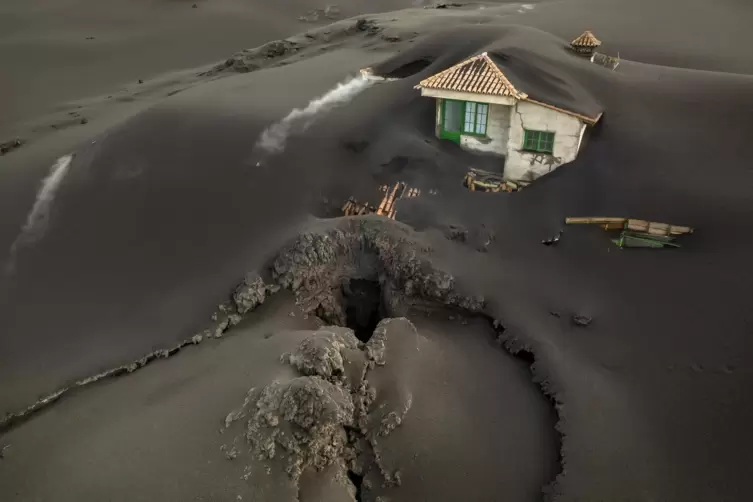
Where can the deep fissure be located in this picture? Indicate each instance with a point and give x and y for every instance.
(527, 356)
(357, 481)
(362, 302)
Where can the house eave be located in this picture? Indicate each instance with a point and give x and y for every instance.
(585, 118)
(432, 92)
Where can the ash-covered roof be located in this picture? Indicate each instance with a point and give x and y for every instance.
(587, 39)
(487, 74)
(479, 75)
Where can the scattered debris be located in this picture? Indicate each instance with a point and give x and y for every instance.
(443, 5)
(3, 450)
(387, 205)
(485, 181)
(637, 233)
(367, 25)
(581, 320)
(90, 38)
(641, 240)
(330, 12)
(141, 81)
(84, 121)
(553, 240)
(11, 145)
(194, 6)
(485, 238)
(609, 62)
(554, 314)
(354, 208)
(249, 60)
(456, 233)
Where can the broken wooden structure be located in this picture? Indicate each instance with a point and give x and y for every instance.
(609, 62)
(354, 208)
(485, 181)
(392, 193)
(637, 233)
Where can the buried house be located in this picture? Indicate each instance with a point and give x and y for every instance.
(481, 109)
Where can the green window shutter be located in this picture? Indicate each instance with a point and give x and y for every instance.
(538, 141)
(482, 117)
(547, 142)
(470, 117)
(531, 140)
(475, 118)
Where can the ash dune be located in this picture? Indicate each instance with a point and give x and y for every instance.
(160, 215)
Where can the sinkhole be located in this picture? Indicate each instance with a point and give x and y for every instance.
(362, 302)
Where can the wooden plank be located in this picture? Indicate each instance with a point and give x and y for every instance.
(594, 220)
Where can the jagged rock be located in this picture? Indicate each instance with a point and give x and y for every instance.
(324, 353)
(376, 346)
(251, 59)
(456, 233)
(8, 146)
(581, 320)
(366, 25)
(276, 48)
(250, 293)
(306, 418)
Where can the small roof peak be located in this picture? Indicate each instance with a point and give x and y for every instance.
(586, 39)
(478, 74)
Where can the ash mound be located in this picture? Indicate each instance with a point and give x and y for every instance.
(323, 266)
(327, 420)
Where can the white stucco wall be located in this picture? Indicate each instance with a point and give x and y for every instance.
(497, 132)
(468, 96)
(522, 165)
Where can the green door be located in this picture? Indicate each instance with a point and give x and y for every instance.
(452, 120)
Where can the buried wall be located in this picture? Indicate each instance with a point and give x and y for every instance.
(524, 165)
(497, 132)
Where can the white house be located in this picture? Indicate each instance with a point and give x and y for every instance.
(480, 109)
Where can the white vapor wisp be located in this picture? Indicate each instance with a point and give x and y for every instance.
(36, 221)
(274, 137)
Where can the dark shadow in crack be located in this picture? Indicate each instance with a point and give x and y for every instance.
(363, 306)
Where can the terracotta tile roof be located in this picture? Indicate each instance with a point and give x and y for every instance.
(479, 75)
(587, 39)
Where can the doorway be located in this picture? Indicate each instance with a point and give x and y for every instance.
(452, 120)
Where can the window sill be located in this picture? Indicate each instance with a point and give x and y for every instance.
(480, 137)
(524, 150)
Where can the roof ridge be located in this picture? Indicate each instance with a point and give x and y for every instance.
(516, 93)
(502, 87)
(453, 67)
(586, 39)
